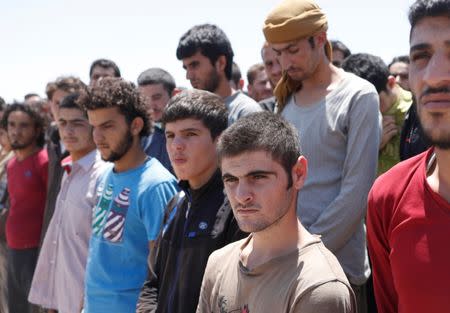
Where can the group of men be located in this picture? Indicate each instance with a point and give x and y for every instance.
(150, 199)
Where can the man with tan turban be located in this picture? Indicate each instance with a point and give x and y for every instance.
(338, 120)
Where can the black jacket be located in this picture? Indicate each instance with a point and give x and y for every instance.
(184, 245)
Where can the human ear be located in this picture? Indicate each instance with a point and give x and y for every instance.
(299, 172)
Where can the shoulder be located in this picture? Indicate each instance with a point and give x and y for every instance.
(154, 173)
(229, 251)
(42, 156)
(358, 85)
(397, 179)
(245, 102)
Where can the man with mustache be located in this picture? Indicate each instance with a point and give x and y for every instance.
(338, 119)
(408, 219)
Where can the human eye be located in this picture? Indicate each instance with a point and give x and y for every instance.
(169, 136)
(228, 180)
(420, 56)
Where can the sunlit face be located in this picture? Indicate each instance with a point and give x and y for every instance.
(111, 133)
(22, 132)
(400, 71)
(201, 73)
(297, 58)
(273, 67)
(75, 132)
(429, 77)
(55, 101)
(156, 99)
(260, 89)
(99, 72)
(192, 151)
(257, 187)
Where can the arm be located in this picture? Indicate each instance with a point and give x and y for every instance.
(148, 298)
(333, 297)
(340, 220)
(379, 251)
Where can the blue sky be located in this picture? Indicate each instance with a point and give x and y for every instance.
(41, 40)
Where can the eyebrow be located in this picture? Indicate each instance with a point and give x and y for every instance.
(252, 173)
(423, 46)
(285, 48)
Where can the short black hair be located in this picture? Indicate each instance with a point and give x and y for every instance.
(116, 92)
(210, 41)
(399, 59)
(71, 102)
(338, 45)
(369, 67)
(262, 131)
(236, 74)
(157, 75)
(253, 72)
(201, 105)
(29, 95)
(39, 123)
(105, 63)
(428, 8)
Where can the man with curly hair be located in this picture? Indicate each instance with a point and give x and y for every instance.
(132, 196)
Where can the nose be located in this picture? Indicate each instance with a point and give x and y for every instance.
(97, 135)
(189, 74)
(243, 193)
(178, 143)
(437, 72)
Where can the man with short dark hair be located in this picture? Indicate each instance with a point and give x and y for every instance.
(399, 68)
(280, 266)
(199, 219)
(157, 86)
(56, 91)
(237, 83)
(102, 68)
(408, 216)
(207, 57)
(394, 103)
(259, 86)
(62, 259)
(27, 181)
(338, 119)
(132, 195)
(340, 52)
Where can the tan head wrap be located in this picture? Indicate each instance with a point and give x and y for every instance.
(289, 21)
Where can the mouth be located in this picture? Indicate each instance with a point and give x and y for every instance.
(436, 101)
(179, 160)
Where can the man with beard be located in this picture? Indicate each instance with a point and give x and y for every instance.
(409, 206)
(207, 57)
(338, 119)
(27, 181)
(132, 196)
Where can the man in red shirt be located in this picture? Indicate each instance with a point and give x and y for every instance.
(408, 221)
(27, 182)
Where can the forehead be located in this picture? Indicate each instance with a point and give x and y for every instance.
(268, 54)
(398, 67)
(151, 89)
(197, 56)
(432, 31)
(19, 116)
(103, 115)
(284, 45)
(71, 114)
(58, 95)
(247, 162)
(187, 123)
(103, 71)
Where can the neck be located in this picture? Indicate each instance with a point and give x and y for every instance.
(201, 180)
(134, 157)
(76, 155)
(224, 89)
(22, 154)
(278, 240)
(439, 179)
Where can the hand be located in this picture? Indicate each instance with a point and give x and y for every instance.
(390, 129)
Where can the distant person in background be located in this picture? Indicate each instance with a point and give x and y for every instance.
(399, 68)
(156, 86)
(27, 180)
(259, 86)
(237, 83)
(62, 259)
(56, 152)
(207, 57)
(340, 52)
(102, 68)
(394, 103)
(273, 71)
